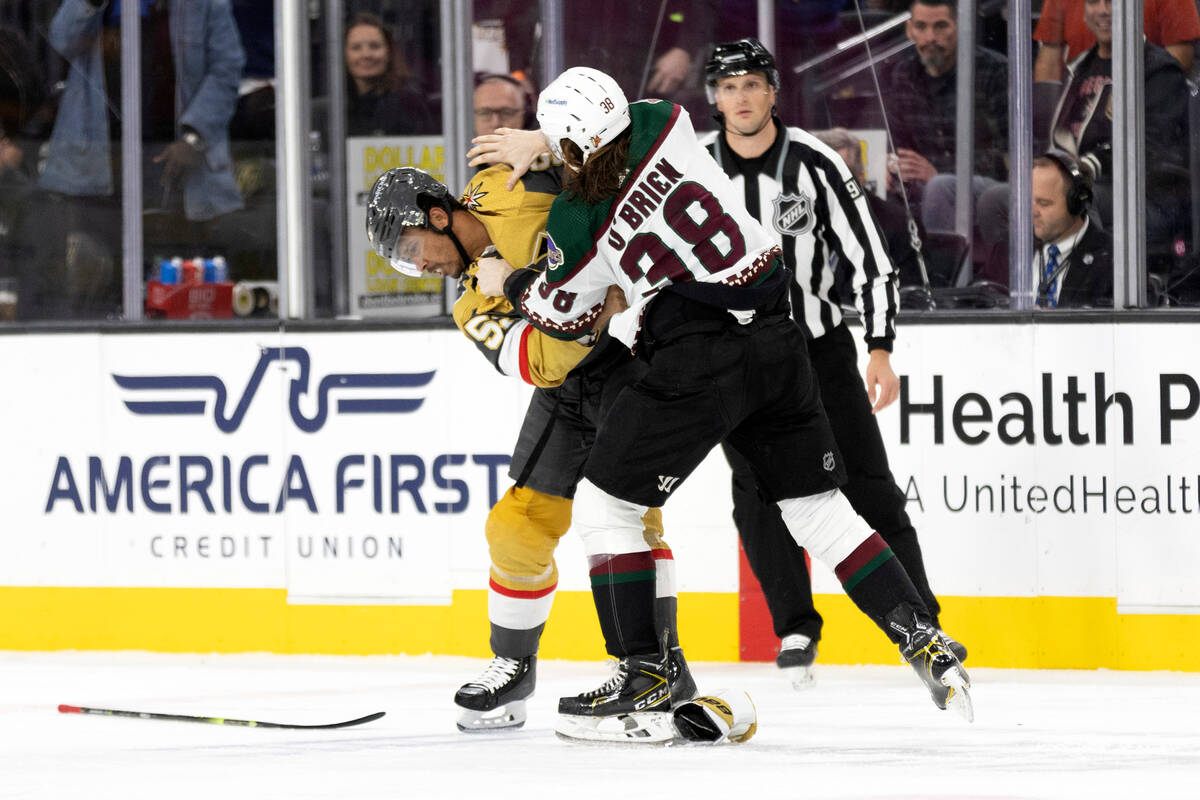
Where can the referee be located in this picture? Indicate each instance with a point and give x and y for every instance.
(802, 191)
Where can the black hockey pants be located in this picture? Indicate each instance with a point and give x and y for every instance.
(774, 556)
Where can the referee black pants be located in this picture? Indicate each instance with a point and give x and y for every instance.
(777, 561)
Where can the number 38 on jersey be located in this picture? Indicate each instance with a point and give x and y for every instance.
(689, 211)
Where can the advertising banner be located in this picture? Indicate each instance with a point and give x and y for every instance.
(354, 467)
(377, 290)
(1055, 460)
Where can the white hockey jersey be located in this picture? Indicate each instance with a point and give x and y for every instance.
(677, 218)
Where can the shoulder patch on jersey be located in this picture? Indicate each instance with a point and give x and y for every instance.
(852, 188)
(793, 214)
(554, 255)
(472, 196)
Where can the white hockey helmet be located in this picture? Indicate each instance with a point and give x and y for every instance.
(585, 106)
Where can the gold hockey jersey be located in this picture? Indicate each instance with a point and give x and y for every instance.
(515, 221)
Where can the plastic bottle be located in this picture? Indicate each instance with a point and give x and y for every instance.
(216, 270)
(193, 270)
(169, 271)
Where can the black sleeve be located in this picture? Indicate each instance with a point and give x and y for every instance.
(1166, 102)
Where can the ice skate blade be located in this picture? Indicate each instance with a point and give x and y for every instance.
(640, 727)
(506, 717)
(802, 678)
(959, 700)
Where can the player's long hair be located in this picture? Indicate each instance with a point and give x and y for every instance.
(603, 174)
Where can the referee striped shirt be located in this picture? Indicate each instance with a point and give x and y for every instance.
(802, 192)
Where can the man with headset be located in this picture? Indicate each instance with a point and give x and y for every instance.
(1073, 265)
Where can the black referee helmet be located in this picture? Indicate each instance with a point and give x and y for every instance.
(739, 58)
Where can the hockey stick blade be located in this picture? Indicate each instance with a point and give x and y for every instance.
(244, 723)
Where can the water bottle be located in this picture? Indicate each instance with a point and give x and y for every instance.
(169, 271)
(220, 270)
(193, 270)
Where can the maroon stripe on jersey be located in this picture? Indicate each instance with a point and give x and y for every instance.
(872, 546)
(622, 562)
(520, 594)
(630, 182)
(576, 329)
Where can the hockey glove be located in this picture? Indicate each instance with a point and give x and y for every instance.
(728, 715)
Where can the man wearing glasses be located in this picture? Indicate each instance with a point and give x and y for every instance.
(499, 103)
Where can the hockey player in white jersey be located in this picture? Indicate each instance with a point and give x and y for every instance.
(648, 210)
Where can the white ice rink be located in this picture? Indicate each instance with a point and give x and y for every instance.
(862, 732)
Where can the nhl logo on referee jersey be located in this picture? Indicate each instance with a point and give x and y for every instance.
(827, 461)
(793, 214)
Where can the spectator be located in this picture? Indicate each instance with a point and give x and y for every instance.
(192, 62)
(22, 115)
(254, 120)
(1073, 266)
(645, 54)
(378, 101)
(501, 102)
(1171, 24)
(888, 212)
(920, 95)
(1082, 126)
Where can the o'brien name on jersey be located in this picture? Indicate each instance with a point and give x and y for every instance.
(644, 199)
(677, 218)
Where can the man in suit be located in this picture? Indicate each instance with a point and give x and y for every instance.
(1073, 265)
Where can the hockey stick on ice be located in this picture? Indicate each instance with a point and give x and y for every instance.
(245, 723)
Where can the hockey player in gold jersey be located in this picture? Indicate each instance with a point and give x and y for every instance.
(414, 222)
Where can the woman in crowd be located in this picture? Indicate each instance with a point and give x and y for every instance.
(378, 101)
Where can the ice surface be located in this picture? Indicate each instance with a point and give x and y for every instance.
(862, 732)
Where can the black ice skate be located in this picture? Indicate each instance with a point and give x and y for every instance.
(932, 659)
(632, 706)
(496, 699)
(958, 648)
(683, 687)
(797, 653)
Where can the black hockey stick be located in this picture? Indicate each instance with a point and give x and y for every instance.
(245, 723)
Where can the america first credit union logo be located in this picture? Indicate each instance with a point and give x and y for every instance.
(370, 390)
(793, 214)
